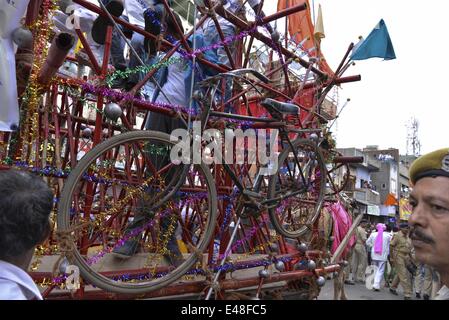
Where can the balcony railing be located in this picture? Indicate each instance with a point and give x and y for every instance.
(367, 195)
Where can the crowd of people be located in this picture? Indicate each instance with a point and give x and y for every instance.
(390, 250)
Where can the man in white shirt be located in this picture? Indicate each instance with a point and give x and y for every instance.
(379, 242)
(429, 222)
(25, 205)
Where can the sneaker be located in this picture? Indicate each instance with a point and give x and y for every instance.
(99, 28)
(418, 295)
(407, 298)
(426, 297)
(393, 291)
(128, 249)
(375, 289)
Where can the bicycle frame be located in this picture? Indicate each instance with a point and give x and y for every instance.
(269, 123)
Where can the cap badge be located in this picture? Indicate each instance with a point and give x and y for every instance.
(445, 163)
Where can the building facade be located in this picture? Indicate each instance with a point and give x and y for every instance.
(360, 186)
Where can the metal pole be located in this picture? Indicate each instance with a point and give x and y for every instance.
(193, 68)
(338, 115)
(313, 11)
(234, 233)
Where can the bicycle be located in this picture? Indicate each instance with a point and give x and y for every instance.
(102, 194)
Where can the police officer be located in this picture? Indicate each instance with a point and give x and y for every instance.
(360, 258)
(401, 246)
(429, 221)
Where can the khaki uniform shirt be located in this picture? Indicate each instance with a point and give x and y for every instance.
(401, 244)
(361, 236)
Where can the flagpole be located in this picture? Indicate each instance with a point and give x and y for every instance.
(313, 11)
(286, 27)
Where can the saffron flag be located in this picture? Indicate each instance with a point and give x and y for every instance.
(377, 45)
(391, 200)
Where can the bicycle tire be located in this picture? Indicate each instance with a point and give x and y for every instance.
(273, 182)
(63, 217)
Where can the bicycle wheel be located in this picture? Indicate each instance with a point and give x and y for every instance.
(299, 185)
(126, 190)
(337, 174)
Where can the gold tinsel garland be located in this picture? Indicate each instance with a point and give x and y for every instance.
(30, 121)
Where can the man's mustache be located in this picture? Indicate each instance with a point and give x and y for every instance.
(417, 234)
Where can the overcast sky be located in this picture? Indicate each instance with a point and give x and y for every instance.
(391, 92)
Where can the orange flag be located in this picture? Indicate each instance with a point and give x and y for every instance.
(300, 27)
(391, 200)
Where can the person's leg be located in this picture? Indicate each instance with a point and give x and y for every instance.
(418, 280)
(143, 212)
(228, 32)
(363, 261)
(356, 263)
(117, 51)
(427, 283)
(386, 271)
(137, 42)
(379, 274)
(133, 230)
(348, 267)
(168, 223)
(436, 283)
(212, 37)
(368, 252)
(404, 279)
(394, 283)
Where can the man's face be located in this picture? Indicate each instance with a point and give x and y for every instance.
(430, 221)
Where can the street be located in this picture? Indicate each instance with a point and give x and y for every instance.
(359, 291)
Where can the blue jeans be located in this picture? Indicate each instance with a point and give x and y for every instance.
(211, 37)
(137, 44)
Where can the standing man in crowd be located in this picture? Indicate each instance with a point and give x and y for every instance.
(402, 247)
(360, 258)
(379, 242)
(25, 205)
(429, 222)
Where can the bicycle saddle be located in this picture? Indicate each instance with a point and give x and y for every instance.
(276, 107)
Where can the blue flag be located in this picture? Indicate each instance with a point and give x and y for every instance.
(376, 45)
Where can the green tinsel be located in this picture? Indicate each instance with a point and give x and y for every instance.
(144, 69)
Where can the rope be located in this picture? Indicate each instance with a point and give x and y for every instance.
(66, 244)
